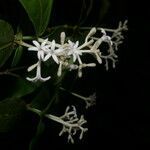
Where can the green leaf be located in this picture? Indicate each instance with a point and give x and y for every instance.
(41, 99)
(17, 56)
(38, 12)
(6, 41)
(22, 87)
(11, 112)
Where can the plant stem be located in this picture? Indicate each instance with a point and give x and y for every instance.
(52, 117)
(74, 94)
(23, 43)
(10, 71)
(106, 29)
(28, 37)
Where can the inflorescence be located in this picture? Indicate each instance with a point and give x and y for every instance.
(68, 55)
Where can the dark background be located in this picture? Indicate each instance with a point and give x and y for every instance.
(121, 117)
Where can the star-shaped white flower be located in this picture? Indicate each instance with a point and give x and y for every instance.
(51, 52)
(40, 48)
(74, 51)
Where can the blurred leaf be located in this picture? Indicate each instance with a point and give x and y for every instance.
(6, 41)
(40, 129)
(22, 87)
(11, 111)
(17, 56)
(38, 12)
(41, 99)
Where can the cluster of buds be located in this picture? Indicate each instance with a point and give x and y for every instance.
(68, 54)
(70, 122)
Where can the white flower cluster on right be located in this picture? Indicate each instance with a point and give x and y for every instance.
(68, 54)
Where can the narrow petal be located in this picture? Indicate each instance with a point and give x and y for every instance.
(47, 56)
(36, 44)
(40, 55)
(44, 42)
(44, 79)
(59, 72)
(55, 59)
(32, 67)
(74, 57)
(76, 44)
(103, 31)
(60, 50)
(33, 49)
(70, 43)
(53, 45)
(32, 79)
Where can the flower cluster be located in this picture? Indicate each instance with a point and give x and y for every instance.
(72, 124)
(70, 121)
(68, 54)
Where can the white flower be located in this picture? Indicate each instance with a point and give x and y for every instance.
(74, 51)
(40, 48)
(52, 52)
(38, 73)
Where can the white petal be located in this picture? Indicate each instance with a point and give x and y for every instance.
(36, 44)
(32, 79)
(32, 67)
(44, 42)
(103, 31)
(76, 44)
(79, 59)
(70, 43)
(60, 50)
(74, 57)
(44, 79)
(47, 56)
(53, 45)
(59, 70)
(55, 59)
(33, 49)
(40, 55)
